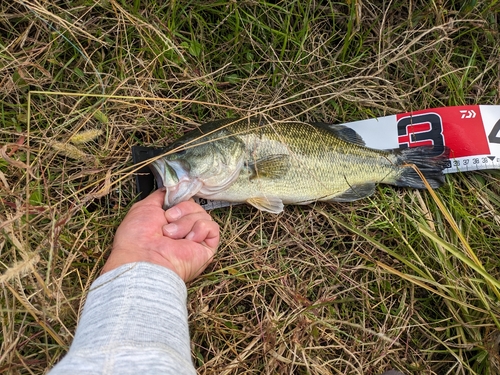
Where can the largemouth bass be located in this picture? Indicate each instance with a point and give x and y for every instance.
(269, 164)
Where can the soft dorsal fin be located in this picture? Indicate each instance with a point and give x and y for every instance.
(272, 166)
(342, 131)
(273, 205)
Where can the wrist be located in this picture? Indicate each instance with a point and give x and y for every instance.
(122, 256)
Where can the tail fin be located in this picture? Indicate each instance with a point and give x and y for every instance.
(430, 160)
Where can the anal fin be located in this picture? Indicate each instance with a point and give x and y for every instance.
(354, 193)
(269, 204)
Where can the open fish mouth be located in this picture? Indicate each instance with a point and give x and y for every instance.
(158, 168)
(180, 192)
(173, 177)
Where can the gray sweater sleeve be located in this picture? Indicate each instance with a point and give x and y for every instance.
(134, 321)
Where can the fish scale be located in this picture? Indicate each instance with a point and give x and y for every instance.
(307, 148)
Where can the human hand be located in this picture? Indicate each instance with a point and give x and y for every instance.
(184, 238)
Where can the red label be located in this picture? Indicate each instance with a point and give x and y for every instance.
(460, 128)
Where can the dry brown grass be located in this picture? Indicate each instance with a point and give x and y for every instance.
(323, 289)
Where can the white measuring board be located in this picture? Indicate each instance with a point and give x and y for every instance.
(471, 132)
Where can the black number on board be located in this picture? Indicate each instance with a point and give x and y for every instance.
(493, 136)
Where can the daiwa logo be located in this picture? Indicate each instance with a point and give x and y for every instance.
(420, 130)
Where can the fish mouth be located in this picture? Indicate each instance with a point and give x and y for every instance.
(173, 177)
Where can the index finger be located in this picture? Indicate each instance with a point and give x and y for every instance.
(184, 208)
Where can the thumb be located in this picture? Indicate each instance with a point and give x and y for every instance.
(156, 198)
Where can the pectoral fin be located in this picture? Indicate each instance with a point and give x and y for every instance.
(273, 166)
(269, 204)
(354, 193)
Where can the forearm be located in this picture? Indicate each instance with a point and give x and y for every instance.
(134, 320)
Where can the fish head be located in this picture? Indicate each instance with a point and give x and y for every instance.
(202, 168)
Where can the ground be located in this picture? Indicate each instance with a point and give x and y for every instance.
(405, 279)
